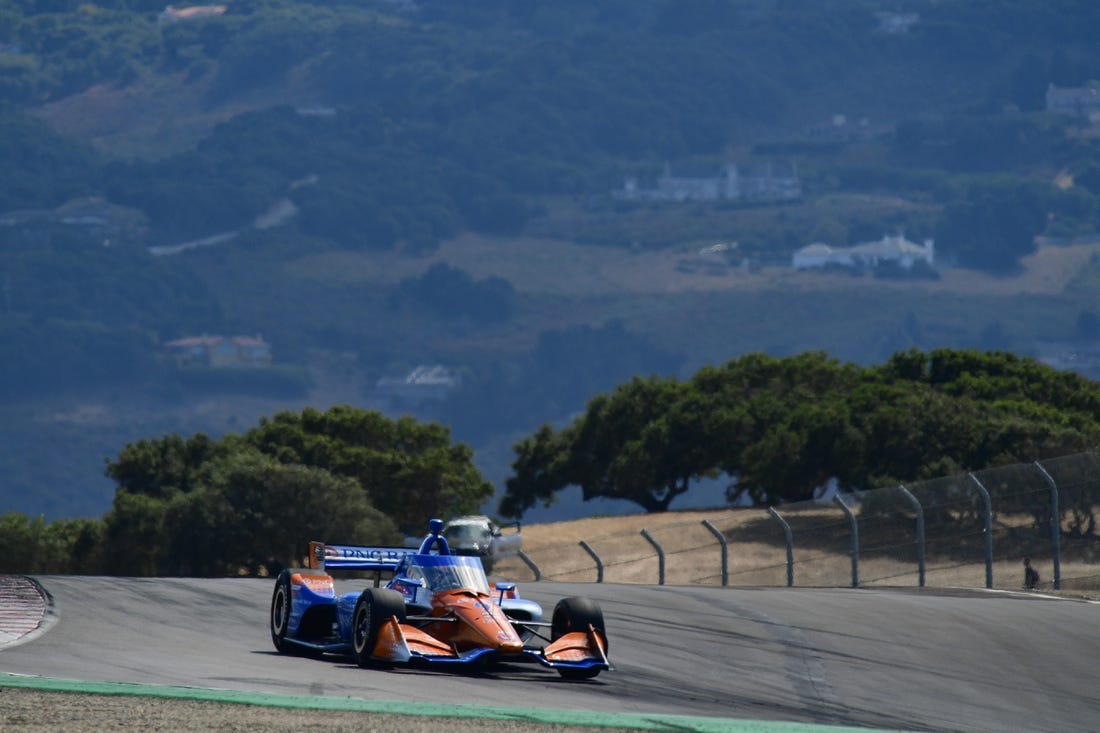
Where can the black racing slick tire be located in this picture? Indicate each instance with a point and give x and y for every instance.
(374, 608)
(280, 614)
(577, 614)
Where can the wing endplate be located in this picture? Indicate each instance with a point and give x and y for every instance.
(578, 648)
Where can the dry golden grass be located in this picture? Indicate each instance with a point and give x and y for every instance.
(757, 553)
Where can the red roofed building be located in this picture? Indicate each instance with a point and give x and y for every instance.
(220, 351)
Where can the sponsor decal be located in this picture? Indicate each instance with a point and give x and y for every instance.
(373, 554)
(316, 583)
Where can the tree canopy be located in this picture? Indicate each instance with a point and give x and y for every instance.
(198, 506)
(409, 470)
(781, 428)
(778, 428)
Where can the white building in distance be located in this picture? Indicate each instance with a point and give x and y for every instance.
(766, 182)
(425, 383)
(868, 255)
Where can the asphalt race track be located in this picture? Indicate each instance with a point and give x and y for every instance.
(902, 659)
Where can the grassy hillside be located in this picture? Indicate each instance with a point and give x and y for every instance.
(340, 150)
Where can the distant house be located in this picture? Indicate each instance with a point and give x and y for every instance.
(422, 384)
(868, 255)
(172, 14)
(1078, 101)
(819, 254)
(765, 183)
(220, 352)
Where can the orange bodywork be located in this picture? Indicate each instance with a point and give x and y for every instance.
(397, 642)
(576, 646)
(473, 621)
(317, 582)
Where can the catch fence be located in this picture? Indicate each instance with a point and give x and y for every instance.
(966, 530)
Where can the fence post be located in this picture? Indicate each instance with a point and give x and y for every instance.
(920, 531)
(660, 556)
(725, 551)
(790, 545)
(594, 556)
(1055, 526)
(988, 530)
(531, 564)
(854, 538)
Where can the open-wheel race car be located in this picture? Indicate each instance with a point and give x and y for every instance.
(435, 609)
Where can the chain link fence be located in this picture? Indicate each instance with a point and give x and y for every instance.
(966, 530)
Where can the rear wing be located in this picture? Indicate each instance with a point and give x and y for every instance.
(355, 557)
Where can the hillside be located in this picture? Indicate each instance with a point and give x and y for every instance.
(444, 177)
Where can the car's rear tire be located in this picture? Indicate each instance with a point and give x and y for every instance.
(374, 608)
(280, 615)
(577, 614)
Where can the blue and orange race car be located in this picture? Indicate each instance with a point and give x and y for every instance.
(436, 609)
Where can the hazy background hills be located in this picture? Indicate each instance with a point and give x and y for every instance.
(371, 187)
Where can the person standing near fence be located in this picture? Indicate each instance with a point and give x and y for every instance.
(1031, 575)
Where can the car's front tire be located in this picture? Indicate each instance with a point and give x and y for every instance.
(577, 614)
(374, 608)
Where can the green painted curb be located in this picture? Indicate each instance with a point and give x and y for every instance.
(636, 721)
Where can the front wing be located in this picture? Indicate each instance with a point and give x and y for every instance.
(400, 643)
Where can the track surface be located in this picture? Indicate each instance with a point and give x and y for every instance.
(896, 659)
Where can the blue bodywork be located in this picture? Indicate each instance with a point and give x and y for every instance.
(322, 621)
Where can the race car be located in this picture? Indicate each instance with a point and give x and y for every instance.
(437, 609)
(476, 534)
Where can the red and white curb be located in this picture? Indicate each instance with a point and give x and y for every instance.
(25, 608)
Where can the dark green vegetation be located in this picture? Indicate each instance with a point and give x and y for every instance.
(779, 428)
(198, 506)
(388, 128)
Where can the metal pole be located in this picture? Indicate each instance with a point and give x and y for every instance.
(531, 564)
(599, 563)
(1055, 526)
(920, 531)
(854, 550)
(725, 551)
(988, 530)
(790, 545)
(660, 556)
